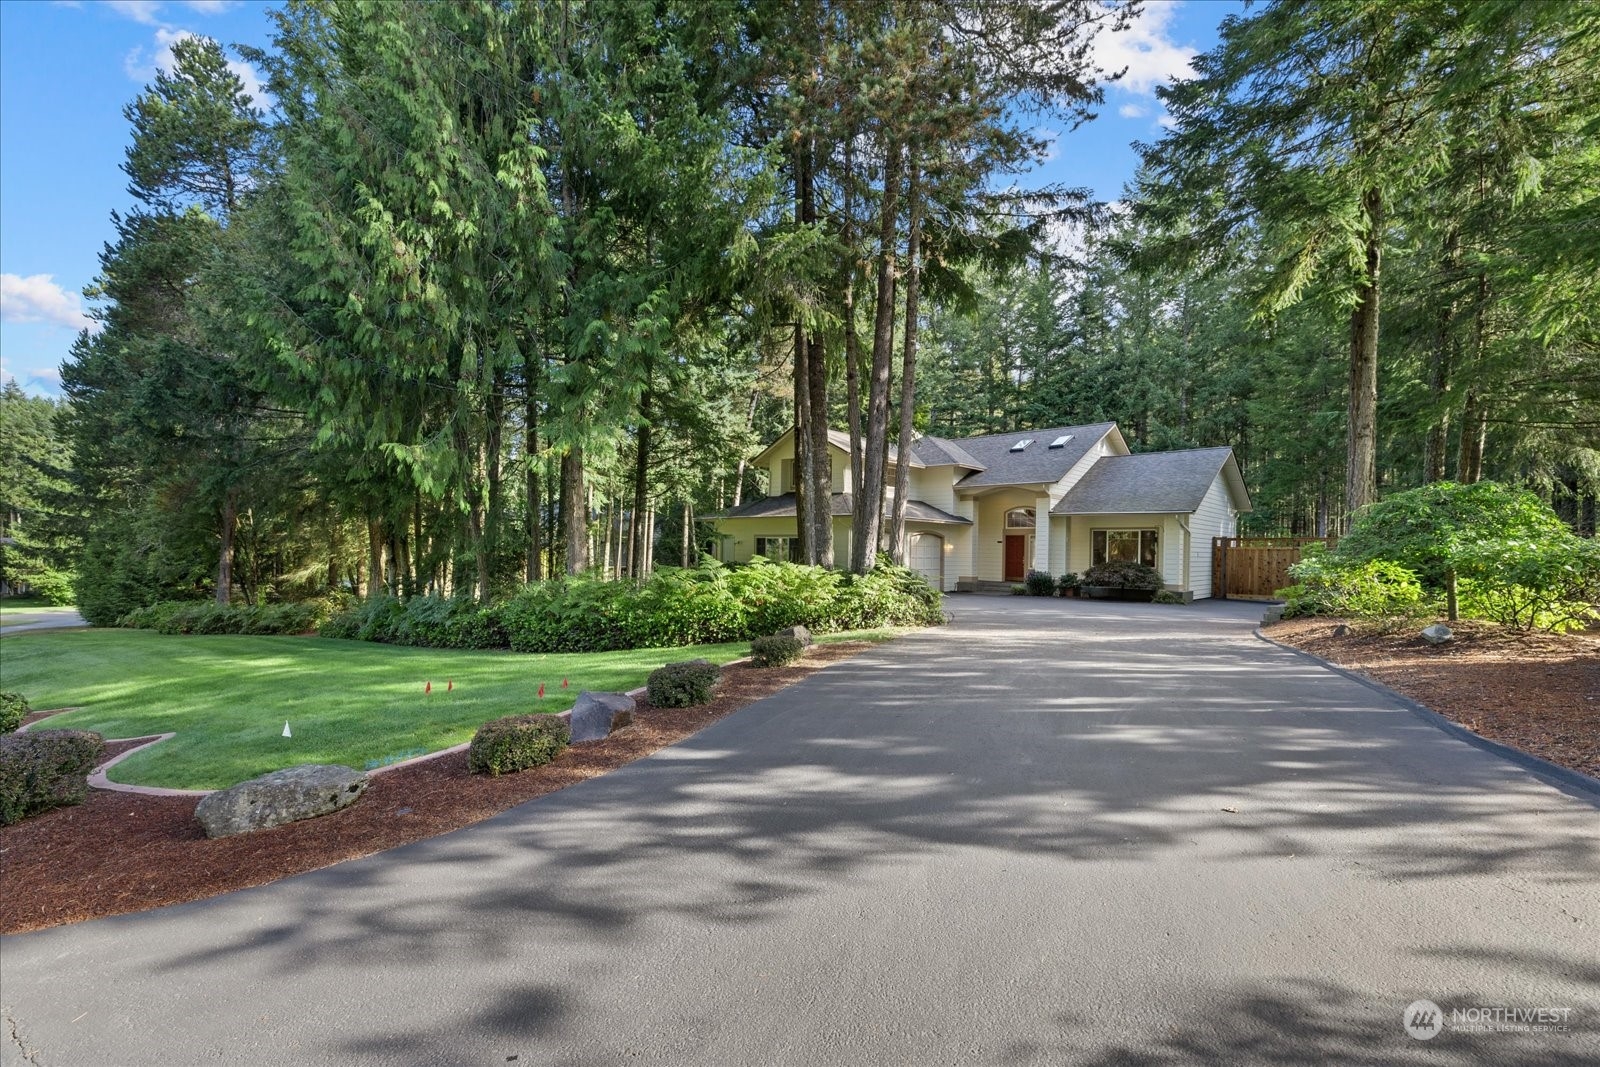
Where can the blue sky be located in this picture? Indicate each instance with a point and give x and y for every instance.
(68, 67)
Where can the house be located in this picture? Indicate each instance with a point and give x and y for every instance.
(986, 510)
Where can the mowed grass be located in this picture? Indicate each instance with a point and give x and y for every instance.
(347, 702)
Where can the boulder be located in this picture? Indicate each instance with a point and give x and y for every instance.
(1437, 634)
(800, 632)
(285, 796)
(595, 715)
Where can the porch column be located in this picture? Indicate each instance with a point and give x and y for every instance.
(967, 566)
(1041, 535)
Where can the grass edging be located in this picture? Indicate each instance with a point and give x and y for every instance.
(1569, 781)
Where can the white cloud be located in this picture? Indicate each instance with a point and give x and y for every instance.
(1132, 111)
(1167, 122)
(1150, 56)
(145, 11)
(37, 298)
(210, 7)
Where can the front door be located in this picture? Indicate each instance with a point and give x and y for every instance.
(1016, 555)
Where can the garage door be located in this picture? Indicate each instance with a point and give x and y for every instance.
(927, 557)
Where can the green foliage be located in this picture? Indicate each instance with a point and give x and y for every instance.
(206, 617)
(682, 685)
(45, 769)
(1375, 590)
(1167, 596)
(1019, 590)
(777, 650)
(1068, 582)
(1039, 583)
(887, 595)
(1123, 575)
(515, 743)
(13, 709)
(1532, 584)
(1426, 529)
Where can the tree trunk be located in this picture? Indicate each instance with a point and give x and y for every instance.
(230, 519)
(1474, 419)
(576, 513)
(852, 345)
(738, 479)
(804, 521)
(688, 534)
(864, 543)
(1434, 448)
(530, 450)
(1361, 469)
(908, 372)
(374, 557)
(641, 489)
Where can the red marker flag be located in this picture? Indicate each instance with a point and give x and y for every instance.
(449, 686)
(541, 690)
(428, 688)
(563, 683)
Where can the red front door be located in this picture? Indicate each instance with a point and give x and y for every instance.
(1016, 554)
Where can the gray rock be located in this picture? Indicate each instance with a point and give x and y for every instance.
(595, 715)
(285, 796)
(797, 631)
(1272, 615)
(1341, 630)
(1437, 634)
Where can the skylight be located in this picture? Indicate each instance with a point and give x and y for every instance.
(1061, 442)
(1020, 445)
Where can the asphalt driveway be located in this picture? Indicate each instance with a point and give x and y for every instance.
(1052, 833)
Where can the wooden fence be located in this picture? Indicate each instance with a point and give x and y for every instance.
(1255, 567)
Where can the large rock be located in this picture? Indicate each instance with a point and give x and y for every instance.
(796, 631)
(595, 715)
(285, 796)
(1437, 634)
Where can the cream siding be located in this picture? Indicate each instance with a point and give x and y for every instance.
(1169, 536)
(1214, 517)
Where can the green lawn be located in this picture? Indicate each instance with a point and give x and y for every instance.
(346, 702)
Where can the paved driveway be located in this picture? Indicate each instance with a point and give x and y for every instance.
(1001, 842)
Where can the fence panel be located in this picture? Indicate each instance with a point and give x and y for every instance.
(1255, 567)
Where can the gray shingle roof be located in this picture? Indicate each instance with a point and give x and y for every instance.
(938, 451)
(1145, 484)
(784, 507)
(1037, 463)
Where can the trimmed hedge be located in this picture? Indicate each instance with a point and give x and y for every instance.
(13, 709)
(1039, 583)
(707, 604)
(682, 685)
(45, 769)
(515, 743)
(204, 617)
(1123, 575)
(775, 651)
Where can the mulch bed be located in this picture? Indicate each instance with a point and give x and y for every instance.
(121, 852)
(1536, 692)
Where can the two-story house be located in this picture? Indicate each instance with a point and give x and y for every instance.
(986, 510)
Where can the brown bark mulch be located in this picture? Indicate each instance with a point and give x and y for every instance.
(122, 852)
(1536, 692)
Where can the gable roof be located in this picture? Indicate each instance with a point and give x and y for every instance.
(838, 439)
(940, 452)
(1037, 463)
(1153, 482)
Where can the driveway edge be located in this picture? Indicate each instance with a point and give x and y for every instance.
(1585, 787)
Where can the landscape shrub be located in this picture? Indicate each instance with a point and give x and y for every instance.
(45, 769)
(515, 743)
(1019, 590)
(577, 614)
(683, 685)
(777, 650)
(776, 596)
(1167, 596)
(48, 584)
(1424, 529)
(1068, 583)
(887, 595)
(204, 617)
(13, 709)
(1375, 590)
(1039, 583)
(1122, 574)
(1549, 584)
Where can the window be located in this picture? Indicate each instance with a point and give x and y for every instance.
(1019, 519)
(785, 477)
(1020, 445)
(779, 549)
(1125, 546)
(1061, 442)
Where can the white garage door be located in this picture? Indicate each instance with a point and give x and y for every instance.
(927, 557)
